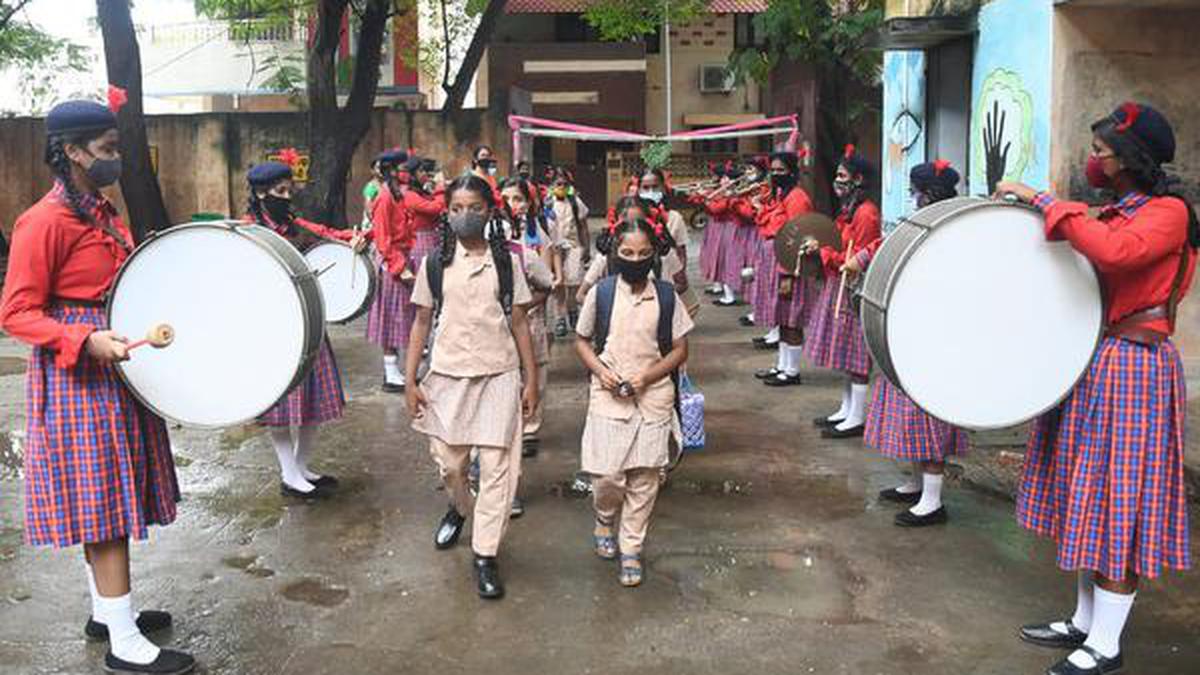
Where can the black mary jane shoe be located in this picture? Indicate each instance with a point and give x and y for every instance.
(826, 423)
(391, 388)
(834, 432)
(448, 530)
(487, 575)
(517, 509)
(317, 492)
(907, 518)
(325, 482)
(529, 447)
(148, 621)
(766, 373)
(169, 662)
(713, 291)
(722, 302)
(783, 380)
(1042, 635)
(767, 346)
(894, 495)
(1104, 665)
(745, 321)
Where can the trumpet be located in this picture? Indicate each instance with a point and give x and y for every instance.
(697, 186)
(741, 186)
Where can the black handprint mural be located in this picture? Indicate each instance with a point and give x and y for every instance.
(995, 158)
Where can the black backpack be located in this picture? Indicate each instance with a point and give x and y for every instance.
(606, 293)
(435, 270)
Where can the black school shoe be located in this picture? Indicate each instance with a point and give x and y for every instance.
(783, 380)
(325, 482)
(148, 621)
(487, 575)
(745, 321)
(1103, 664)
(907, 518)
(448, 530)
(722, 302)
(826, 423)
(391, 387)
(169, 662)
(529, 446)
(894, 495)
(766, 373)
(318, 492)
(1042, 635)
(761, 343)
(835, 433)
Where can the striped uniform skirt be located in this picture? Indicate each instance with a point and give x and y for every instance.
(316, 400)
(390, 319)
(796, 310)
(836, 343)
(717, 237)
(1103, 472)
(426, 241)
(764, 291)
(98, 464)
(743, 244)
(897, 428)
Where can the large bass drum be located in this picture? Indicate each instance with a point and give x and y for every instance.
(247, 315)
(347, 279)
(976, 317)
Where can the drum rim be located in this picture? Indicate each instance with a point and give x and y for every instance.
(372, 280)
(969, 203)
(235, 226)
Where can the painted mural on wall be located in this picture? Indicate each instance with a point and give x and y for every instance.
(1010, 109)
(899, 8)
(903, 129)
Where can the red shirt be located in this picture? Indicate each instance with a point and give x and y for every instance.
(778, 212)
(53, 255)
(393, 230)
(1135, 245)
(860, 228)
(425, 211)
(743, 210)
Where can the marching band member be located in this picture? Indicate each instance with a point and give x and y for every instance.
(717, 232)
(473, 396)
(764, 287)
(425, 201)
(631, 411)
(293, 421)
(389, 319)
(747, 245)
(896, 427)
(569, 231)
(98, 467)
(835, 337)
(795, 295)
(1103, 471)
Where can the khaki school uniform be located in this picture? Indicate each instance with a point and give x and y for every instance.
(625, 440)
(474, 390)
(566, 237)
(539, 278)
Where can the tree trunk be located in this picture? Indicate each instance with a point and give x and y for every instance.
(457, 93)
(334, 132)
(139, 184)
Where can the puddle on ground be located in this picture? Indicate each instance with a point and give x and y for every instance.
(808, 584)
(249, 511)
(312, 591)
(363, 528)
(12, 365)
(250, 564)
(233, 438)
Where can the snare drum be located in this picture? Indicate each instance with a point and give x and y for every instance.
(347, 280)
(976, 317)
(247, 314)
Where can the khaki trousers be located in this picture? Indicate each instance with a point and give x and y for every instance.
(499, 472)
(631, 494)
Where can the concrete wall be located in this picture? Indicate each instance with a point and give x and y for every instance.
(903, 130)
(203, 159)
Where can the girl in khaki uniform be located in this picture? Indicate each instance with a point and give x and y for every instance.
(569, 230)
(631, 409)
(473, 396)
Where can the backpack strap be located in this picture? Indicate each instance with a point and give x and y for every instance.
(666, 315)
(606, 293)
(504, 272)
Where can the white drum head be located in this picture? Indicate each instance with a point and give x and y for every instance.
(239, 325)
(344, 278)
(988, 325)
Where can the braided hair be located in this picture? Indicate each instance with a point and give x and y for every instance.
(60, 167)
(494, 232)
(660, 239)
(533, 217)
(1147, 174)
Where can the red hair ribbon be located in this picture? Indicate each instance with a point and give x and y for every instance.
(1132, 111)
(412, 152)
(940, 165)
(290, 157)
(117, 98)
(802, 153)
(658, 229)
(849, 151)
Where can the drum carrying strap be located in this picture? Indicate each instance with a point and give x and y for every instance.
(1177, 286)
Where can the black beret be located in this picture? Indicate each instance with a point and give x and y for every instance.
(393, 156)
(1149, 127)
(268, 173)
(79, 116)
(936, 173)
(856, 163)
(413, 164)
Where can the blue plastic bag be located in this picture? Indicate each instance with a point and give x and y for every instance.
(691, 414)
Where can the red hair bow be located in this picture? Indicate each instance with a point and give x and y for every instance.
(802, 153)
(290, 157)
(849, 151)
(1132, 111)
(117, 98)
(939, 166)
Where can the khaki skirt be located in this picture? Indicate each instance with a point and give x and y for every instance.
(611, 446)
(477, 411)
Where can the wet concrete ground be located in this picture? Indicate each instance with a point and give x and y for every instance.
(769, 553)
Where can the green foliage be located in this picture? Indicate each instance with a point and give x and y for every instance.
(656, 154)
(40, 58)
(623, 20)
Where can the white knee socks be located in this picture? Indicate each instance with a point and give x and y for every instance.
(931, 495)
(391, 369)
(1085, 586)
(781, 359)
(844, 410)
(124, 639)
(857, 413)
(1110, 611)
(285, 451)
(306, 437)
(792, 354)
(772, 335)
(727, 294)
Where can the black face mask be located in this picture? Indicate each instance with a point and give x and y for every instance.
(278, 209)
(633, 271)
(524, 175)
(784, 182)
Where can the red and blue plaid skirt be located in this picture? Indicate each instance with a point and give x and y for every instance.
(897, 428)
(717, 237)
(425, 242)
(316, 400)
(390, 319)
(764, 290)
(98, 464)
(836, 343)
(743, 243)
(796, 310)
(1104, 470)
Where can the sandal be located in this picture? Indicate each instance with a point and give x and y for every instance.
(631, 574)
(605, 545)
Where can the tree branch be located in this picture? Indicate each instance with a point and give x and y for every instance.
(10, 13)
(457, 92)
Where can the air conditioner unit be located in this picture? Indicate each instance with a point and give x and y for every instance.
(715, 78)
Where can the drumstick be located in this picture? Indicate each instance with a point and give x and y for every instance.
(158, 337)
(326, 269)
(837, 308)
